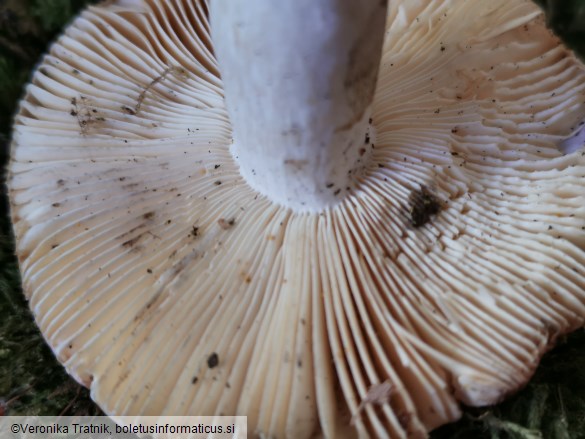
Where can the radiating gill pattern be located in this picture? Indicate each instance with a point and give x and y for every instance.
(447, 273)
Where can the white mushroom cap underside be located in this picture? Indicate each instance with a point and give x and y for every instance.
(143, 252)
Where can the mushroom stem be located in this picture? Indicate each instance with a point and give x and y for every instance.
(299, 78)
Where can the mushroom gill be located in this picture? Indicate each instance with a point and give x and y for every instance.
(168, 286)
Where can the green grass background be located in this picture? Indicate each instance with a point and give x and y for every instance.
(33, 383)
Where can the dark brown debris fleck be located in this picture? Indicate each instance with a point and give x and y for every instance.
(131, 242)
(226, 224)
(212, 360)
(423, 204)
(128, 110)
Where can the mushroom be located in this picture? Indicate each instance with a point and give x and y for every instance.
(324, 257)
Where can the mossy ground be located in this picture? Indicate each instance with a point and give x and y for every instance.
(32, 382)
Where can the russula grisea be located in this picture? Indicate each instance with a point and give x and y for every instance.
(321, 257)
